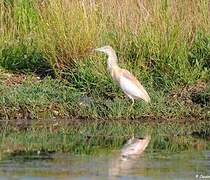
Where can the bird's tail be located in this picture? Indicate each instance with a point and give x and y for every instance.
(144, 94)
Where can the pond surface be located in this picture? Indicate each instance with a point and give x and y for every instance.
(184, 165)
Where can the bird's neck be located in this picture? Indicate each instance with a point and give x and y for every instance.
(112, 61)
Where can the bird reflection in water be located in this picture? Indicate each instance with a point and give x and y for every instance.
(128, 156)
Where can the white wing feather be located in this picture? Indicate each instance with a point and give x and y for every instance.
(133, 90)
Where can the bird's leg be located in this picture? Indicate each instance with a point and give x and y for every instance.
(132, 102)
(131, 105)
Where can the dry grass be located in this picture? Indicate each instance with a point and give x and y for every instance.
(146, 34)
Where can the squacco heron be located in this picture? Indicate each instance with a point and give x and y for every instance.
(127, 81)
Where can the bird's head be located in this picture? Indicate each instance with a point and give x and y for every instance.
(106, 49)
(112, 57)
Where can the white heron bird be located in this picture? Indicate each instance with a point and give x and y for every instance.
(127, 81)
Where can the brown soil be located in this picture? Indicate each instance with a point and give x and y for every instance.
(190, 94)
(10, 79)
(77, 121)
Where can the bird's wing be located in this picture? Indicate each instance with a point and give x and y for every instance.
(131, 86)
(131, 77)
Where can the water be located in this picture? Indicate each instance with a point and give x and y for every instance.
(180, 166)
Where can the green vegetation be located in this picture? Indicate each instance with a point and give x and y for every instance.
(51, 98)
(165, 44)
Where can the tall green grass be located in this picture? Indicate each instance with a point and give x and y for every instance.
(164, 42)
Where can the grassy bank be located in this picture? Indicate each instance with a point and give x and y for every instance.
(49, 71)
(165, 44)
(26, 97)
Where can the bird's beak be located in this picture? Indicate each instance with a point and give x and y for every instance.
(98, 49)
